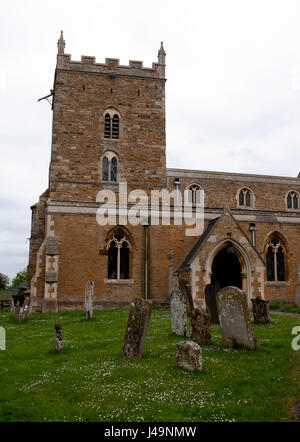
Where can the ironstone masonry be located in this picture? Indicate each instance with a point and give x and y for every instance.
(244, 213)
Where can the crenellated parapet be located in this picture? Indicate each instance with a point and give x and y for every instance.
(111, 66)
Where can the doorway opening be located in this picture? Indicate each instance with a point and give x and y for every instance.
(226, 268)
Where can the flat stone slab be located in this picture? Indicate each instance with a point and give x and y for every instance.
(178, 313)
(234, 319)
(137, 325)
(189, 356)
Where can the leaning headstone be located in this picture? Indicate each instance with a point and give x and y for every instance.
(189, 356)
(234, 319)
(58, 338)
(137, 326)
(260, 309)
(211, 291)
(178, 313)
(88, 300)
(186, 290)
(200, 327)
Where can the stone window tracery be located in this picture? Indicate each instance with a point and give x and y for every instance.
(194, 193)
(245, 198)
(275, 258)
(109, 166)
(118, 255)
(292, 200)
(111, 124)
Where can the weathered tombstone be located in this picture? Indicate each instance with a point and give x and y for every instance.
(137, 326)
(260, 309)
(58, 338)
(88, 300)
(178, 313)
(200, 327)
(20, 312)
(186, 290)
(189, 356)
(211, 291)
(173, 278)
(234, 319)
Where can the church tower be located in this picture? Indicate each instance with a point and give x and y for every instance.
(108, 126)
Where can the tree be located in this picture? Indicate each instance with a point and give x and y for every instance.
(4, 281)
(20, 277)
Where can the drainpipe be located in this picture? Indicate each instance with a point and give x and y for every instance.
(146, 251)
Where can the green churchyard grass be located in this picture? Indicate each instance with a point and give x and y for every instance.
(92, 381)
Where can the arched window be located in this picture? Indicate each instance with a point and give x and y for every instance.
(245, 198)
(194, 193)
(111, 124)
(292, 200)
(275, 258)
(109, 167)
(118, 256)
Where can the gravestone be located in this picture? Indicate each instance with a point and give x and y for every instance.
(178, 313)
(200, 327)
(137, 325)
(211, 291)
(189, 356)
(234, 319)
(58, 338)
(260, 309)
(186, 290)
(88, 300)
(20, 312)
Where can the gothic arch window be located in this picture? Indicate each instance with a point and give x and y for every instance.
(245, 197)
(119, 249)
(109, 166)
(293, 200)
(111, 124)
(276, 258)
(194, 193)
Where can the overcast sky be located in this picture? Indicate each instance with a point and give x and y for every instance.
(233, 89)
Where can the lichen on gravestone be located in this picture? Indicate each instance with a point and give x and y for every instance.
(58, 338)
(189, 356)
(136, 329)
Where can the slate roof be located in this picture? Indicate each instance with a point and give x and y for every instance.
(193, 251)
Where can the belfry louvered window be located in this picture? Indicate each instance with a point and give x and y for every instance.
(111, 125)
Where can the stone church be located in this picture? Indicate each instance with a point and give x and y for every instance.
(109, 128)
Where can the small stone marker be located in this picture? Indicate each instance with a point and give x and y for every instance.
(88, 300)
(234, 319)
(178, 313)
(186, 290)
(211, 291)
(137, 326)
(200, 327)
(261, 312)
(189, 356)
(58, 338)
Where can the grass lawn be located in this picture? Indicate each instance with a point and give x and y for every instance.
(92, 381)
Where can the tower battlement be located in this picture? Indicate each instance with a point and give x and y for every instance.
(111, 66)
